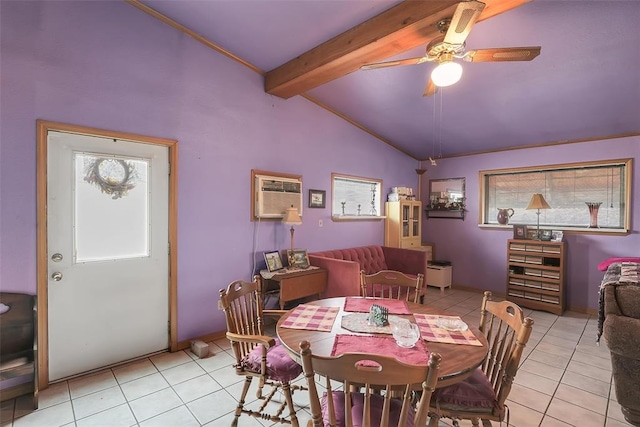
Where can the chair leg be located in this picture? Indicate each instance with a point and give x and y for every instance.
(286, 389)
(487, 423)
(433, 420)
(240, 407)
(260, 387)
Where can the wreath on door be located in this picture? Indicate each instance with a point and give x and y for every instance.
(114, 177)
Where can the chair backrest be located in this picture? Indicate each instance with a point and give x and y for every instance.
(391, 284)
(385, 386)
(507, 331)
(242, 306)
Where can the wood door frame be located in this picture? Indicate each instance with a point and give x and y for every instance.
(42, 129)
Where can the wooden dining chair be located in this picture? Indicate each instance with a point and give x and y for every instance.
(482, 396)
(391, 284)
(258, 355)
(385, 395)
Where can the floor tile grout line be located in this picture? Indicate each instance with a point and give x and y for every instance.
(461, 298)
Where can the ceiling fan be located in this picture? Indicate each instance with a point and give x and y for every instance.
(443, 49)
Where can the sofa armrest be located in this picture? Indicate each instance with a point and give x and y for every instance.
(610, 301)
(621, 334)
(343, 277)
(408, 261)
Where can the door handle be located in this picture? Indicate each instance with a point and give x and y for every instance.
(57, 276)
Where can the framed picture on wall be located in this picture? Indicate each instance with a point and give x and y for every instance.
(317, 198)
(273, 260)
(519, 231)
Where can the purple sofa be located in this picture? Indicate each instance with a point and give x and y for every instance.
(344, 265)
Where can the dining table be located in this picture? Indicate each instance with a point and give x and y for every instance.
(327, 323)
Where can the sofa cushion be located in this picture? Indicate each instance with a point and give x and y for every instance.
(370, 258)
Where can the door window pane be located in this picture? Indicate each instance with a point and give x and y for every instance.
(111, 207)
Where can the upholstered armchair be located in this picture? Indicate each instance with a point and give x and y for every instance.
(621, 331)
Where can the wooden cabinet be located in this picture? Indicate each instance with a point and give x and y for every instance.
(403, 224)
(535, 276)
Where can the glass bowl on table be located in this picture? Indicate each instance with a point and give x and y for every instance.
(405, 333)
(454, 324)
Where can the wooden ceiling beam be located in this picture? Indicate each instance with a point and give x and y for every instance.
(403, 27)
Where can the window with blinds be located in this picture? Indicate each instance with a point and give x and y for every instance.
(572, 191)
(355, 197)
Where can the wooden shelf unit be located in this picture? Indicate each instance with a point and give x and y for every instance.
(403, 224)
(535, 274)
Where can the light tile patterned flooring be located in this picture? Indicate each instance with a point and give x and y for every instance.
(564, 380)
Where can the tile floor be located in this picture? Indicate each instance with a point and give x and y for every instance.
(564, 380)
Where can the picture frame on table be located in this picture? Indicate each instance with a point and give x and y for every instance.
(556, 236)
(273, 261)
(532, 234)
(520, 231)
(317, 198)
(298, 258)
(546, 235)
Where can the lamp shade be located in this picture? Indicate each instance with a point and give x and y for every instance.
(446, 73)
(291, 216)
(538, 202)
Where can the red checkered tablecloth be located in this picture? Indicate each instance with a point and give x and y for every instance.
(431, 332)
(311, 317)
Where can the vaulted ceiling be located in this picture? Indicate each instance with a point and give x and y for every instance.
(584, 85)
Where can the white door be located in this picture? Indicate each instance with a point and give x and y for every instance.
(108, 278)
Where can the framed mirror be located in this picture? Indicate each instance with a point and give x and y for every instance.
(446, 194)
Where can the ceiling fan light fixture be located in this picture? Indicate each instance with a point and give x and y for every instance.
(446, 73)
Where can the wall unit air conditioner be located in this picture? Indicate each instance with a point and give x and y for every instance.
(275, 194)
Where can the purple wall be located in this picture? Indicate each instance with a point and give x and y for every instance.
(110, 66)
(479, 256)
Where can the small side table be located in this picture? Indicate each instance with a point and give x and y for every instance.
(296, 284)
(439, 276)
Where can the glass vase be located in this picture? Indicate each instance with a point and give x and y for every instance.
(593, 213)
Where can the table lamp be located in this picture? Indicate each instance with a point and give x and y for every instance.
(538, 202)
(291, 217)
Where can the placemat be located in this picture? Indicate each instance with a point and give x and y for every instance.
(431, 332)
(311, 317)
(363, 305)
(384, 346)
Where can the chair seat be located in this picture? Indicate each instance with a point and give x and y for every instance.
(473, 394)
(357, 403)
(280, 366)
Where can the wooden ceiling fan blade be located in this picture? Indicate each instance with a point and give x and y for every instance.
(503, 54)
(431, 88)
(464, 18)
(408, 61)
